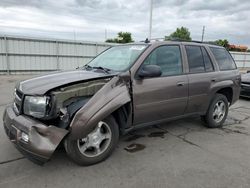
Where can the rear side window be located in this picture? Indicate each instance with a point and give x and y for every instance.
(223, 58)
(198, 59)
(207, 61)
(195, 59)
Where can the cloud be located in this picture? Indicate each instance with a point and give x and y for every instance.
(88, 19)
(10, 3)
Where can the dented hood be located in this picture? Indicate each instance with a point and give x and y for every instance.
(40, 85)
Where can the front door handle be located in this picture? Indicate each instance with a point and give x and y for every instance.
(180, 83)
(213, 80)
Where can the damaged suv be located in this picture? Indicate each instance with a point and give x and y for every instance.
(125, 87)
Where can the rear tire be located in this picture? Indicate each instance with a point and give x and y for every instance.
(97, 146)
(217, 112)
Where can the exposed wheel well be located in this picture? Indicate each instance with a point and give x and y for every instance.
(123, 116)
(228, 92)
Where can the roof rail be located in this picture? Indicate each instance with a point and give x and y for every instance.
(152, 39)
(168, 38)
(181, 40)
(195, 41)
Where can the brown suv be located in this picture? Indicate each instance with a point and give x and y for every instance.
(125, 87)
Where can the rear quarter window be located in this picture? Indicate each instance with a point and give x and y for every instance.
(223, 58)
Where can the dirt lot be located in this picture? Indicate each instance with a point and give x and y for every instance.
(178, 154)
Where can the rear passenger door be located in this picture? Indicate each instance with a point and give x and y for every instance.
(201, 76)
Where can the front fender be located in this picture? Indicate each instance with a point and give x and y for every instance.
(109, 98)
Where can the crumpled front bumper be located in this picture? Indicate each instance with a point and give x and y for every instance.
(43, 139)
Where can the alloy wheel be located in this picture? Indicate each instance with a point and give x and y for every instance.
(219, 111)
(96, 142)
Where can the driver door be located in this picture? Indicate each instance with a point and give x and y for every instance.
(162, 97)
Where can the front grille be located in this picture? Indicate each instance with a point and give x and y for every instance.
(245, 86)
(245, 82)
(19, 93)
(245, 93)
(18, 101)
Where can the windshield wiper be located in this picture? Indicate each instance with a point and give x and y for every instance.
(106, 70)
(87, 67)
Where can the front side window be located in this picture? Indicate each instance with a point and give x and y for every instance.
(223, 58)
(168, 58)
(118, 58)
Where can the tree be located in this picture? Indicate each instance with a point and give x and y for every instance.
(122, 37)
(222, 42)
(180, 33)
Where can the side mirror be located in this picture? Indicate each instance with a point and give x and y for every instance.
(248, 71)
(149, 71)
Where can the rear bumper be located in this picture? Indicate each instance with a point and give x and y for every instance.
(43, 139)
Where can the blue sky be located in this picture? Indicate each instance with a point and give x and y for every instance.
(88, 19)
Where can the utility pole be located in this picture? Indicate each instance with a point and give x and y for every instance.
(203, 32)
(150, 19)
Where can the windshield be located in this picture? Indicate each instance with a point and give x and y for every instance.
(118, 58)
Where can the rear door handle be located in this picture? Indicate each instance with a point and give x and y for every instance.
(180, 83)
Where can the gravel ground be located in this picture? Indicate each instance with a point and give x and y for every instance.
(177, 154)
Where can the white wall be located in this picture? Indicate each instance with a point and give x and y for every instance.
(242, 59)
(29, 55)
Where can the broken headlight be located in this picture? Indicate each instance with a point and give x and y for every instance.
(36, 106)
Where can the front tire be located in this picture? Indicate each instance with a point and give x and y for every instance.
(96, 146)
(217, 112)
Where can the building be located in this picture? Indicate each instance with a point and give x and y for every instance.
(239, 48)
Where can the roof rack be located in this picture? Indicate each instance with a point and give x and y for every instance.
(183, 40)
(168, 38)
(152, 39)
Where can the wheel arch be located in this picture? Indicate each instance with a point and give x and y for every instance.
(227, 92)
(112, 99)
(223, 87)
(123, 117)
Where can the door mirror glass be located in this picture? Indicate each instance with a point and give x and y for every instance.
(149, 71)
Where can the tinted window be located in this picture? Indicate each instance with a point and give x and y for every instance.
(168, 58)
(207, 61)
(224, 59)
(195, 59)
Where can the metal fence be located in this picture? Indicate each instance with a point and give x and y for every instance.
(19, 55)
(242, 59)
